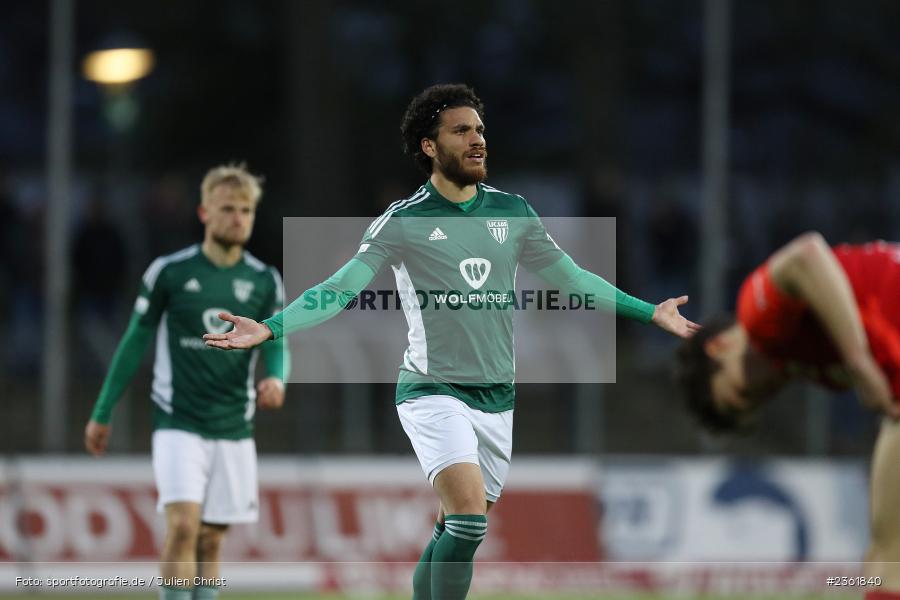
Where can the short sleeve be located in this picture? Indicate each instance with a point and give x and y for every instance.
(153, 297)
(539, 250)
(382, 242)
(767, 313)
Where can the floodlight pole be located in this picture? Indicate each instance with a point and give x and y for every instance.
(716, 76)
(56, 243)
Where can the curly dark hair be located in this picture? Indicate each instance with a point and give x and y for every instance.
(422, 117)
(694, 370)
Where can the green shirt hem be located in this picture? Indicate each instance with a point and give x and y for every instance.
(162, 420)
(493, 398)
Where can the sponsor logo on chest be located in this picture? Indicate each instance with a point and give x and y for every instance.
(242, 289)
(212, 323)
(475, 271)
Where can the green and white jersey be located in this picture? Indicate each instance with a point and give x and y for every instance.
(455, 269)
(197, 388)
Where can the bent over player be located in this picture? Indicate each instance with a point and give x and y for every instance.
(455, 390)
(827, 314)
(204, 456)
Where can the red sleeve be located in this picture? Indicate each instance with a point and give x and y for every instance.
(768, 314)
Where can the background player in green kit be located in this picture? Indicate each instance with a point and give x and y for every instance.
(204, 456)
(455, 392)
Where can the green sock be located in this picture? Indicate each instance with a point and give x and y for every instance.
(171, 593)
(206, 592)
(422, 575)
(451, 560)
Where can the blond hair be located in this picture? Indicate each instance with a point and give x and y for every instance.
(233, 174)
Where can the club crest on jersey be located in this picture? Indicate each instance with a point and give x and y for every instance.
(475, 271)
(499, 229)
(242, 289)
(213, 323)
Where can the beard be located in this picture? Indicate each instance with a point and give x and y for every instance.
(452, 168)
(228, 241)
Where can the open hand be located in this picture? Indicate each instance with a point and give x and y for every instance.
(667, 318)
(247, 333)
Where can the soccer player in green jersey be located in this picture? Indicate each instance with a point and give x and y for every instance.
(455, 389)
(204, 456)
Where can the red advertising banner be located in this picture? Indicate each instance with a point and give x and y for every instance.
(106, 511)
(357, 526)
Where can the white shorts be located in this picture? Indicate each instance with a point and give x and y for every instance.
(445, 431)
(220, 475)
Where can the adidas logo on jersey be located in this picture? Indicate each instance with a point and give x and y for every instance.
(192, 285)
(437, 234)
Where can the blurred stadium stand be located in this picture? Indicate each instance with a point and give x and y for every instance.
(595, 109)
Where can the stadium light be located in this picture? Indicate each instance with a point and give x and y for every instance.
(118, 66)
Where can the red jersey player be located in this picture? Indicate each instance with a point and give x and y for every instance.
(827, 314)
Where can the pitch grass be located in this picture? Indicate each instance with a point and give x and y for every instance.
(286, 596)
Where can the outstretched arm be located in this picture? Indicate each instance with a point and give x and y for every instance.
(314, 306)
(571, 278)
(807, 269)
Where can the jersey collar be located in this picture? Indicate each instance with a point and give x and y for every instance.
(479, 196)
(216, 267)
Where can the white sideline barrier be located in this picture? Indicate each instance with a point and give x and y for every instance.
(713, 509)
